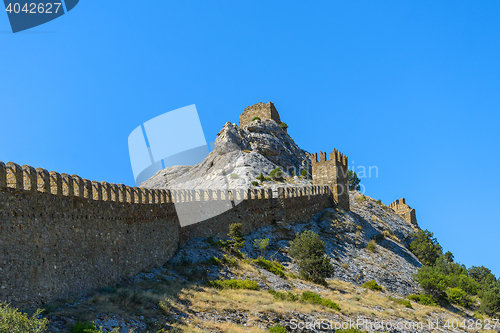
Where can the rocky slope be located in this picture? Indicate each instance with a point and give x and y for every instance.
(175, 298)
(240, 155)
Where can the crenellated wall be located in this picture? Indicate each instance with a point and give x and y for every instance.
(62, 234)
(405, 211)
(334, 173)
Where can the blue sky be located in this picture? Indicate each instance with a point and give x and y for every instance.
(409, 87)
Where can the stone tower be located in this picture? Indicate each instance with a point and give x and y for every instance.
(334, 173)
(261, 110)
(405, 211)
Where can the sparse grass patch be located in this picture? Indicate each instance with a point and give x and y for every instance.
(233, 284)
(423, 299)
(373, 285)
(271, 266)
(401, 301)
(371, 246)
(288, 296)
(255, 118)
(277, 329)
(361, 198)
(313, 298)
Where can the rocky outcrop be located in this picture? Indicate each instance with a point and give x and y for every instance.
(240, 155)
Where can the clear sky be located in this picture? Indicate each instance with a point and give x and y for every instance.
(411, 87)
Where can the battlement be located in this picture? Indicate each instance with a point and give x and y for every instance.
(335, 157)
(40, 180)
(261, 110)
(405, 211)
(333, 172)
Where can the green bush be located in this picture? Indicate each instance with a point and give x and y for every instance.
(215, 261)
(458, 296)
(432, 281)
(288, 296)
(255, 183)
(313, 298)
(255, 118)
(373, 285)
(371, 246)
(423, 299)
(354, 181)
(490, 302)
(271, 266)
(261, 245)
(236, 234)
(261, 177)
(304, 173)
(283, 126)
(425, 247)
(277, 329)
(14, 321)
(233, 284)
(293, 173)
(309, 250)
(277, 175)
(401, 301)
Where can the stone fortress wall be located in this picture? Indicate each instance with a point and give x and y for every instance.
(405, 211)
(62, 234)
(334, 173)
(261, 110)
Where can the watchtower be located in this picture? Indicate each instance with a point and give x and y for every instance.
(405, 211)
(261, 110)
(334, 173)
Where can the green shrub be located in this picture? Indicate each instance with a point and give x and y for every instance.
(354, 181)
(432, 281)
(255, 183)
(277, 329)
(268, 178)
(490, 302)
(271, 266)
(293, 173)
(236, 234)
(283, 126)
(255, 118)
(86, 327)
(425, 247)
(277, 175)
(371, 246)
(14, 321)
(373, 285)
(215, 261)
(304, 173)
(401, 301)
(313, 298)
(423, 299)
(309, 250)
(261, 177)
(261, 245)
(288, 296)
(458, 296)
(233, 284)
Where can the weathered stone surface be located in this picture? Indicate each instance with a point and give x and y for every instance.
(240, 155)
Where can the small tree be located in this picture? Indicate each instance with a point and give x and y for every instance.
(490, 302)
(235, 233)
(432, 281)
(276, 174)
(309, 250)
(261, 177)
(354, 181)
(261, 244)
(13, 321)
(426, 247)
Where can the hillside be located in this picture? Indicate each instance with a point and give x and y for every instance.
(175, 297)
